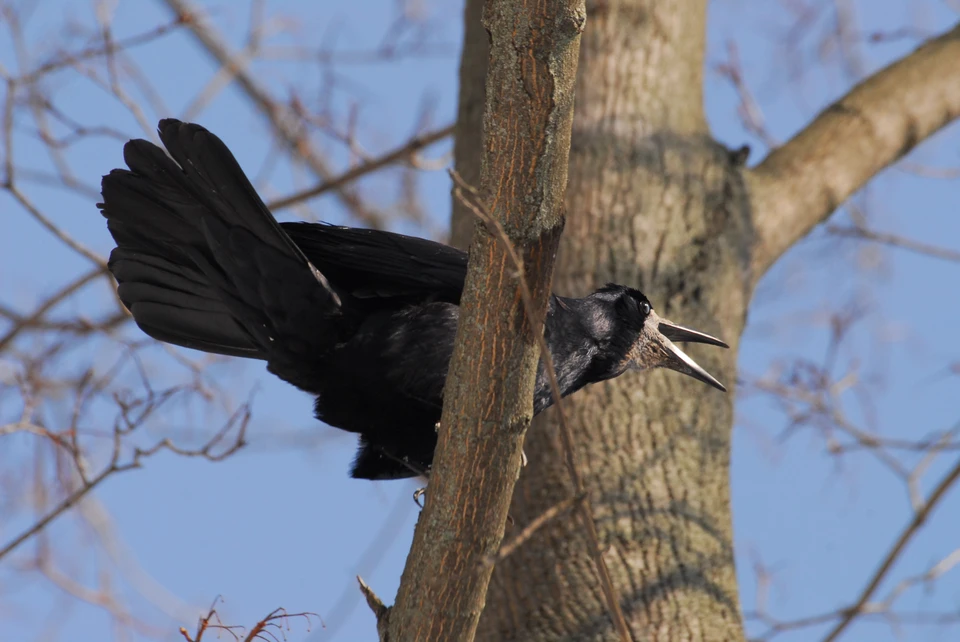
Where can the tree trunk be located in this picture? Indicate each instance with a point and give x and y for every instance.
(468, 135)
(655, 203)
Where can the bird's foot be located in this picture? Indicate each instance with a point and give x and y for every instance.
(523, 458)
(436, 427)
(418, 495)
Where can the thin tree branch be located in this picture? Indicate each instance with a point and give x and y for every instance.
(544, 518)
(398, 154)
(919, 518)
(61, 508)
(61, 294)
(884, 117)
(893, 240)
(283, 125)
(380, 611)
(136, 461)
(272, 627)
(52, 227)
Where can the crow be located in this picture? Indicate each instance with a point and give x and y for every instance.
(365, 320)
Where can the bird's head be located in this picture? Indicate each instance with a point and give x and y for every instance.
(637, 338)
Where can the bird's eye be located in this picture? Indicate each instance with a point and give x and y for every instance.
(645, 308)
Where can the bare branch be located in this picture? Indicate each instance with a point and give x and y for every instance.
(380, 611)
(283, 125)
(116, 466)
(749, 112)
(266, 629)
(34, 317)
(799, 184)
(404, 152)
(894, 240)
(919, 169)
(920, 516)
(544, 518)
(52, 227)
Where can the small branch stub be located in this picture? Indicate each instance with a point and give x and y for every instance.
(380, 611)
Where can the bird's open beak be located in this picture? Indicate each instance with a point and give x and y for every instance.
(659, 351)
(676, 332)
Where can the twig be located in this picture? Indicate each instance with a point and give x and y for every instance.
(280, 121)
(95, 51)
(62, 507)
(751, 116)
(51, 301)
(261, 627)
(262, 630)
(139, 454)
(496, 229)
(919, 517)
(79, 325)
(224, 76)
(895, 241)
(403, 152)
(926, 171)
(376, 605)
(204, 624)
(535, 524)
(41, 218)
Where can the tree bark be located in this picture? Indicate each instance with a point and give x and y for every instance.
(657, 205)
(468, 135)
(488, 398)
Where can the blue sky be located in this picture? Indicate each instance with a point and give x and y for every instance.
(281, 524)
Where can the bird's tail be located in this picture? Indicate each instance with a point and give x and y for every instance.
(191, 232)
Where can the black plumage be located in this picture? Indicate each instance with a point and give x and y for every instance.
(363, 319)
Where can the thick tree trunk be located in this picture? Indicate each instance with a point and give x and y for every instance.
(657, 204)
(468, 135)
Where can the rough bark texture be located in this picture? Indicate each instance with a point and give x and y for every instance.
(657, 205)
(468, 135)
(489, 392)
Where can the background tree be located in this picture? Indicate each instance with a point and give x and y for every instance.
(852, 409)
(656, 201)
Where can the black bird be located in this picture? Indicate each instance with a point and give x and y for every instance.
(363, 319)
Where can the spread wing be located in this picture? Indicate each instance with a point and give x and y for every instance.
(373, 264)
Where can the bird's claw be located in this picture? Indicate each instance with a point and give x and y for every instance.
(418, 494)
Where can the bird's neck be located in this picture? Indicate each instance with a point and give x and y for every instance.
(575, 350)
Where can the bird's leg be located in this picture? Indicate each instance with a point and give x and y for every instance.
(420, 492)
